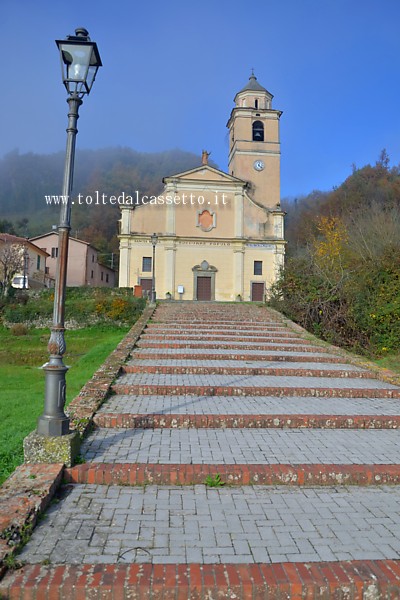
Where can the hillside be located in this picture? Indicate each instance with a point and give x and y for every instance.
(25, 180)
(342, 275)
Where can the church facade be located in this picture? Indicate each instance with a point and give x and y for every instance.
(219, 236)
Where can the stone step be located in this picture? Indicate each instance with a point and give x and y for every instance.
(229, 421)
(232, 474)
(233, 329)
(253, 390)
(243, 446)
(243, 406)
(256, 381)
(201, 524)
(221, 322)
(226, 354)
(182, 581)
(303, 346)
(212, 337)
(217, 369)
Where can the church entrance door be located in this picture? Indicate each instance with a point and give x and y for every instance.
(203, 288)
(257, 292)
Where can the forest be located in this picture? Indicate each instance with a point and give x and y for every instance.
(26, 179)
(342, 274)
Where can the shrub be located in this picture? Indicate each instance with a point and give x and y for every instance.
(19, 329)
(82, 306)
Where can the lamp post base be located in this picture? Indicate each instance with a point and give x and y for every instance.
(54, 421)
(51, 449)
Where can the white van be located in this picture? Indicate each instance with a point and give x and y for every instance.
(18, 282)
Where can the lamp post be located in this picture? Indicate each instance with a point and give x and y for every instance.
(80, 61)
(154, 240)
(26, 269)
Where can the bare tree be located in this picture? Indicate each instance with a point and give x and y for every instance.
(374, 231)
(11, 262)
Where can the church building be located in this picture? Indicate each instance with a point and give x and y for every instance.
(219, 236)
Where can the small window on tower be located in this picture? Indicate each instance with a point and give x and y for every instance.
(256, 103)
(258, 131)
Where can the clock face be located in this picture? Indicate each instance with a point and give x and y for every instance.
(258, 165)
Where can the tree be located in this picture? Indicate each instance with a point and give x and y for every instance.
(6, 226)
(11, 262)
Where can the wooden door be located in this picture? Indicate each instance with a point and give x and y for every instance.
(203, 288)
(257, 292)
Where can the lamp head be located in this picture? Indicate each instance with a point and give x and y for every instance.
(80, 61)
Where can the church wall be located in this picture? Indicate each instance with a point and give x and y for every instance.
(186, 217)
(190, 255)
(266, 255)
(148, 218)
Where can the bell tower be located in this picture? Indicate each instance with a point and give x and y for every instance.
(254, 143)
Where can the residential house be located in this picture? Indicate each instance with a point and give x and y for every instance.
(29, 262)
(84, 267)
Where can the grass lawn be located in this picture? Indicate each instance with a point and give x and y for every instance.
(22, 380)
(391, 362)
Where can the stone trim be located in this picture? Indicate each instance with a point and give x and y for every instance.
(287, 421)
(23, 496)
(82, 409)
(250, 474)
(279, 392)
(344, 579)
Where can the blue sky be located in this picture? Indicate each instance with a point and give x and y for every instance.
(171, 71)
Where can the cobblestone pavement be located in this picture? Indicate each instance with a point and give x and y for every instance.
(224, 405)
(251, 381)
(114, 524)
(243, 363)
(198, 524)
(244, 446)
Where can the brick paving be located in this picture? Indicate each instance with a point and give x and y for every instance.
(305, 443)
(243, 446)
(196, 524)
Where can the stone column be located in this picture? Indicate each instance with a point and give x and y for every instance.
(125, 263)
(170, 254)
(238, 199)
(238, 272)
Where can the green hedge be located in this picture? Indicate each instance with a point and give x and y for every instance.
(82, 305)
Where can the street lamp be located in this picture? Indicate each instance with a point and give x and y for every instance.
(26, 269)
(80, 61)
(154, 240)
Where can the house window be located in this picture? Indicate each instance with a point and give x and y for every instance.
(92, 257)
(258, 131)
(146, 264)
(47, 270)
(106, 277)
(38, 263)
(102, 276)
(54, 252)
(91, 275)
(258, 267)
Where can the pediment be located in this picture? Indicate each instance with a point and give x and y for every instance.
(203, 173)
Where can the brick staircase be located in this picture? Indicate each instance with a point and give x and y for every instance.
(305, 444)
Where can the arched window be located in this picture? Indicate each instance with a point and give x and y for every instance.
(258, 131)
